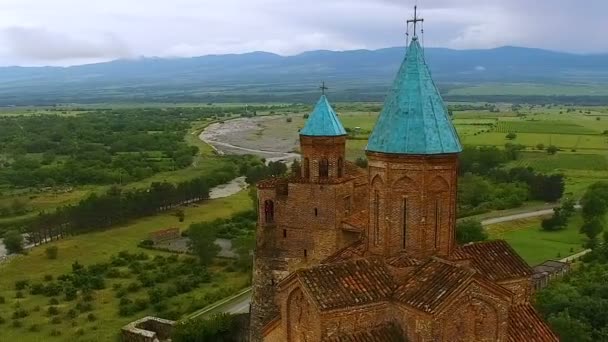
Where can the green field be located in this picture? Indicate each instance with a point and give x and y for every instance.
(527, 89)
(98, 247)
(536, 245)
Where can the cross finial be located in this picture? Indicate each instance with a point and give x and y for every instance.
(416, 20)
(323, 88)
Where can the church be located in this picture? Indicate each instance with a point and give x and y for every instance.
(351, 254)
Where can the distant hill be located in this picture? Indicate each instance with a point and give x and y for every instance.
(261, 76)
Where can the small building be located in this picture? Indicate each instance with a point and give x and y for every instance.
(548, 271)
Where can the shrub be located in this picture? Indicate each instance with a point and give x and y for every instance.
(53, 311)
(70, 293)
(125, 301)
(141, 304)
(2, 300)
(55, 333)
(88, 297)
(51, 252)
(79, 332)
(36, 308)
(53, 301)
(21, 284)
(19, 294)
(20, 313)
(84, 307)
(34, 328)
(2, 320)
(48, 277)
(361, 162)
(91, 317)
(17, 324)
(72, 314)
(133, 287)
(56, 320)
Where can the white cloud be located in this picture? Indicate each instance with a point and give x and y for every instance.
(74, 31)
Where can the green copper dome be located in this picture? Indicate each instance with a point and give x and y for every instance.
(323, 121)
(414, 119)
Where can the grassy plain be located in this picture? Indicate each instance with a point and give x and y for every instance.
(536, 245)
(98, 247)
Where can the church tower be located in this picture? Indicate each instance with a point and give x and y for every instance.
(323, 144)
(413, 163)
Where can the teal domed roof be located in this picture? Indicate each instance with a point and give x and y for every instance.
(323, 121)
(414, 119)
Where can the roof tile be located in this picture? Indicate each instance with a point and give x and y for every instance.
(496, 260)
(351, 283)
(525, 324)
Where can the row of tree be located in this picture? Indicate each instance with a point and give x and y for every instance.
(118, 206)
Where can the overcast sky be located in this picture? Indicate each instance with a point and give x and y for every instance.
(66, 32)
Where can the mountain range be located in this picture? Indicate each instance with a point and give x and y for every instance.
(262, 76)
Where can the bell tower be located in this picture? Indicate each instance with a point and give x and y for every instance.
(323, 144)
(413, 166)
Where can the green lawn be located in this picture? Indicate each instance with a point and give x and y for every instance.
(98, 247)
(536, 245)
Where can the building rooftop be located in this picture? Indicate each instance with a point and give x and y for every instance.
(495, 260)
(346, 284)
(414, 119)
(383, 333)
(525, 324)
(323, 121)
(432, 284)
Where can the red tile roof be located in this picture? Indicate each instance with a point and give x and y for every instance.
(353, 251)
(431, 284)
(384, 333)
(350, 283)
(496, 260)
(403, 260)
(356, 222)
(525, 324)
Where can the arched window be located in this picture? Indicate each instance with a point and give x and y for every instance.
(269, 211)
(340, 167)
(323, 168)
(306, 168)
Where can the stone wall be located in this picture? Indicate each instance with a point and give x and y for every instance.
(148, 329)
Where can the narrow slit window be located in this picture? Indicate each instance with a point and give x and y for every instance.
(376, 217)
(404, 222)
(284, 233)
(323, 168)
(305, 253)
(316, 212)
(437, 222)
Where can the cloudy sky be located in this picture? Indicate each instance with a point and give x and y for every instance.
(66, 32)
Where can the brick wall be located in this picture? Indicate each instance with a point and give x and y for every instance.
(426, 185)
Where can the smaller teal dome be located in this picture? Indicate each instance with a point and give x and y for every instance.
(323, 121)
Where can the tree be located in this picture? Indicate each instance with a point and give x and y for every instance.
(13, 241)
(243, 247)
(560, 217)
(202, 242)
(540, 147)
(570, 329)
(51, 252)
(592, 228)
(219, 328)
(296, 168)
(552, 149)
(361, 162)
(511, 136)
(470, 231)
(181, 216)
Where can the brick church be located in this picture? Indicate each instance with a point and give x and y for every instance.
(351, 254)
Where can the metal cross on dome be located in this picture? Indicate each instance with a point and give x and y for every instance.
(323, 88)
(416, 20)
